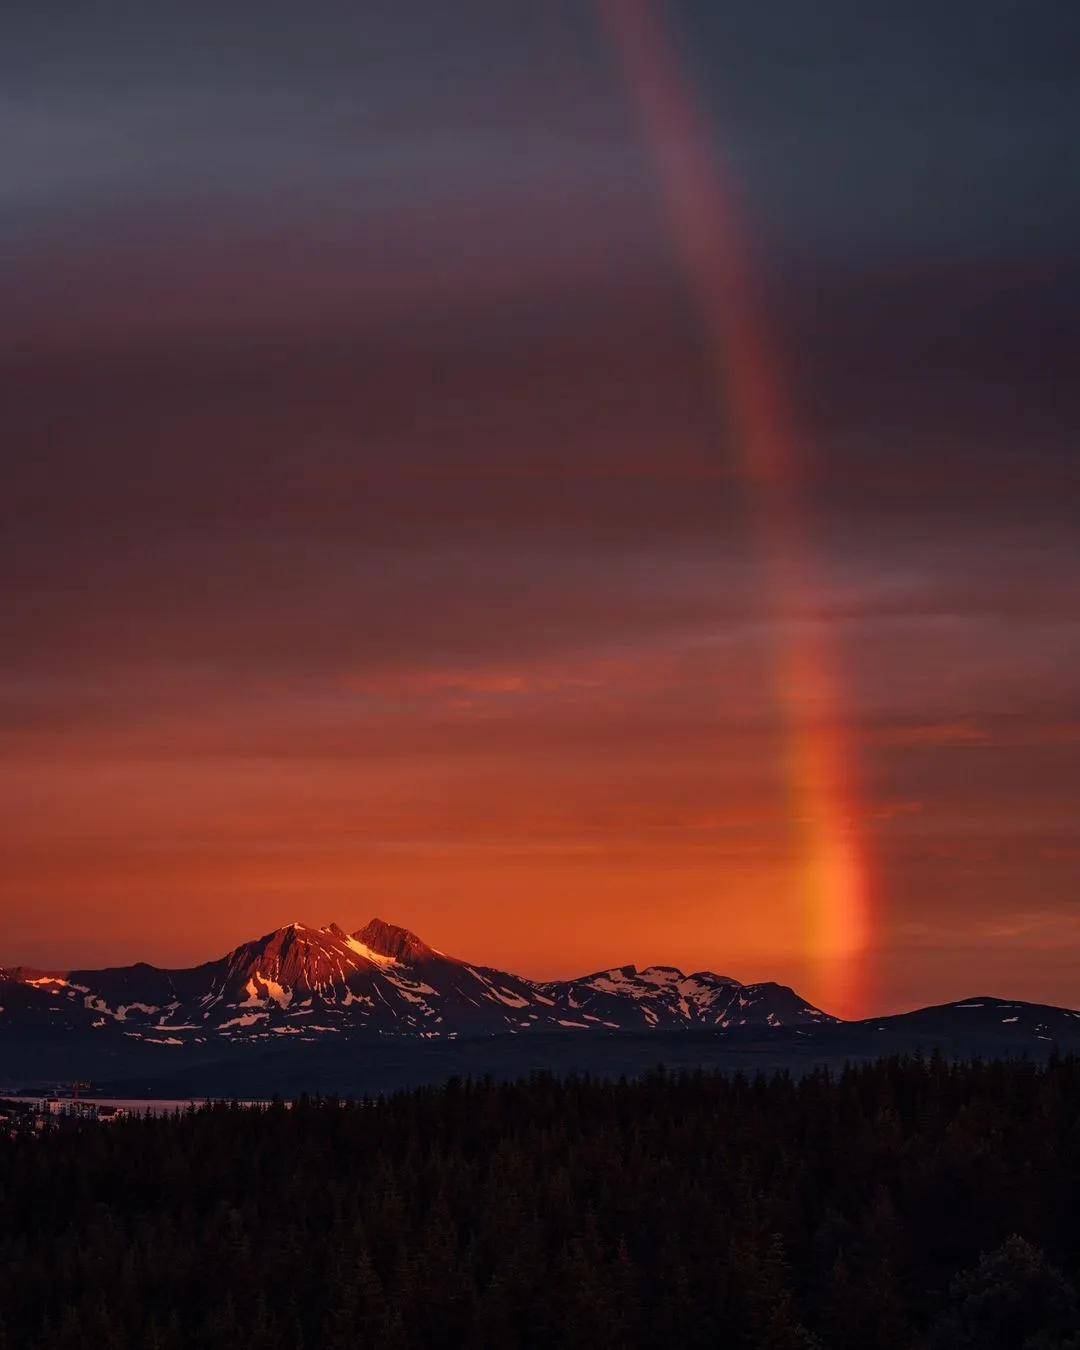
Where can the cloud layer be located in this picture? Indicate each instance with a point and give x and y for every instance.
(374, 540)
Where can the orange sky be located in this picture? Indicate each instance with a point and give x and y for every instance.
(546, 817)
(380, 539)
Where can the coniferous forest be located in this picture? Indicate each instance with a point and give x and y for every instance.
(904, 1204)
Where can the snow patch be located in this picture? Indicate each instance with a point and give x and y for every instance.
(369, 954)
(254, 998)
(417, 986)
(281, 996)
(245, 1020)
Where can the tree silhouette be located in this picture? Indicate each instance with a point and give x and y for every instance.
(1012, 1300)
(864, 1210)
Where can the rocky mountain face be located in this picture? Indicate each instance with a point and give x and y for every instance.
(314, 983)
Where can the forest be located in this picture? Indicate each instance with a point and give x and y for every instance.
(911, 1203)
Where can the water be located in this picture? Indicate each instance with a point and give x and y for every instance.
(139, 1106)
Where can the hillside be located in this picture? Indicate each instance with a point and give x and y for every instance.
(900, 1206)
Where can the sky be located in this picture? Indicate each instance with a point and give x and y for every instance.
(377, 534)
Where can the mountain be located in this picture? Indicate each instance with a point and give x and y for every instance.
(319, 1008)
(382, 979)
(981, 1024)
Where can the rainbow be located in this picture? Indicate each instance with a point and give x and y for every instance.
(704, 219)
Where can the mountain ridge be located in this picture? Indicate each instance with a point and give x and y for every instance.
(304, 1008)
(385, 979)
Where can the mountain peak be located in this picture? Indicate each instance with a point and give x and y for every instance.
(389, 940)
(289, 937)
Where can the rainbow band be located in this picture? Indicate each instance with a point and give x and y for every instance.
(705, 222)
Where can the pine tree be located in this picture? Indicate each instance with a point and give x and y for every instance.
(1014, 1299)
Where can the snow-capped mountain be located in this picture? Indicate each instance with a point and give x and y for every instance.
(318, 1009)
(312, 983)
(663, 997)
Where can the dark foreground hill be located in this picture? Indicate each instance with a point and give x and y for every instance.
(352, 1066)
(904, 1205)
